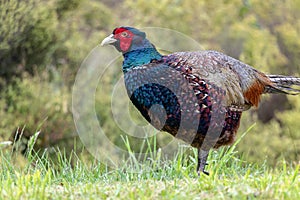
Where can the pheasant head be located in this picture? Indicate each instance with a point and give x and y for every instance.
(133, 44)
(126, 39)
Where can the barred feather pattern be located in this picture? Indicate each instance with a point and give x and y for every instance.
(205, 97)
(283, 84)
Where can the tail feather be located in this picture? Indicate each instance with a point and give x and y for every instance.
(283, 84)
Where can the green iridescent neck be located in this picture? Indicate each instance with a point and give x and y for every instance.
(140, 55)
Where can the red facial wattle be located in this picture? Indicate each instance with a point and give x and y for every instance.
(124, 41)
(125, 44)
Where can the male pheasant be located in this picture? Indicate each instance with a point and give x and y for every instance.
(198, 96)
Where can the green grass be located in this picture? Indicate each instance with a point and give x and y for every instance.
(70, 177)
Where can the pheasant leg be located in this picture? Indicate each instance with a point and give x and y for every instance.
(202, 157)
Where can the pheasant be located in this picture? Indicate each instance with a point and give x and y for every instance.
(197, 97)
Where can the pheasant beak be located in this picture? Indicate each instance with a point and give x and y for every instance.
(108, 40)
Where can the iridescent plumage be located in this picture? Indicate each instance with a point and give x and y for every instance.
(199, 96)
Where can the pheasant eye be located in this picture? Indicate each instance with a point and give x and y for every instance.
(124, 34)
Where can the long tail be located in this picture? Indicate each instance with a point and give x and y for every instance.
(283, 84)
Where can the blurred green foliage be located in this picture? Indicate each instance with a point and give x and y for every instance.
(28, 35)
(42, 44)
(34, 103)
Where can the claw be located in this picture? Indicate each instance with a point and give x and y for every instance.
(206, 173)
